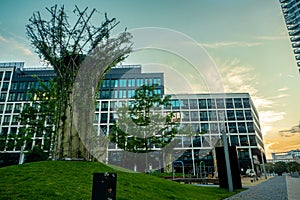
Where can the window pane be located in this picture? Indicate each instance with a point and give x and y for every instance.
(248, 115)
(232, 127)
(240, 115)
(220, 103)
(202, 104)
(246, 103)
(229, 103)
(234, 139)
(238, 102)
(242, 127)
(211, 103)
(203, 116)
(230, 115)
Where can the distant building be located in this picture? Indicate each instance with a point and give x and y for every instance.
(213, 114)
(291, 13)
(289, 156)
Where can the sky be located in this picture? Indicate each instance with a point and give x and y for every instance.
(212, 45)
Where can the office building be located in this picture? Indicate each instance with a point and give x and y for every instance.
(291, 13)
(208, 115)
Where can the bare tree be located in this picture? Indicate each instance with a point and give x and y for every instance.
(64, 47)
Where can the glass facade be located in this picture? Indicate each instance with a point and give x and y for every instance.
(208, 115)
(291, 13)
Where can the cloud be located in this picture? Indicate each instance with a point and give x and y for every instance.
(282, 89)
(2, 39)
(229, 44)
(270, 37)
(15, 50)
(240, 78)
(291, 132)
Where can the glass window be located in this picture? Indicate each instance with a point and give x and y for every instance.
(212, 115)
(14, 85)
(252, 140)
(114, 83)
(184, 104)
(211, 103)
(193, 104)
(242, 127)
(7, 76)
(3, 97)
(185, 116)
(230, 115)
(221, 115)
(6, 119)
(248, 115)
(131, 93)
(104, 105)
(203, 116)
(238, 103)
(103, 129)
(157, 81)
(157, 91)
(229, 103)
(240, 115)
(220, 103)
(17, 107)
(202, 103)
(195, 128)
(243, 154)
(194, 116)
(122, 94)
(197, 141)
(104, 94)
(175, 103)
(9, 108)
(96, 118)
(11, 96)
(5, 86)
(232, 127)
(214, 128)
(103, 118)
(234, 139)
(123, 83)
(22, 86)
(250, 127)
(244, 140)
(1, 107)
(139, 82)
(246, 103)
(113, 105)
(105, 83)
(1, 75)
(114, 94)
(204, 127)
(131, 82)
(148, 81)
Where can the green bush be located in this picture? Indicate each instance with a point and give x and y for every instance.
(36, 154)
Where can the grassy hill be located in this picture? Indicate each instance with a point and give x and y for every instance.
(73, 180)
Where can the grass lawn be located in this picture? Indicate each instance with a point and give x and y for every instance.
(73, 180)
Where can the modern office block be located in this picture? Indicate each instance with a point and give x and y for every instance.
(291, 13)
(208, 116)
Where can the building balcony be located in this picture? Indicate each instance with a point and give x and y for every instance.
(295, 38)
(296, 51)
(297, 57)
(295, 32)
(296, 44)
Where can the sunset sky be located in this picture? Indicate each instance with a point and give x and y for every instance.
(244, 41)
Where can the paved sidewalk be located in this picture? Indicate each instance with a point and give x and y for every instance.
(293, 188)
(274, 189)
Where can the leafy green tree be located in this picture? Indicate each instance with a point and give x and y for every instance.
(280, 167)
(293, 167)
(142, 125)
(65, 47)
(36, 154)
(38, 119)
